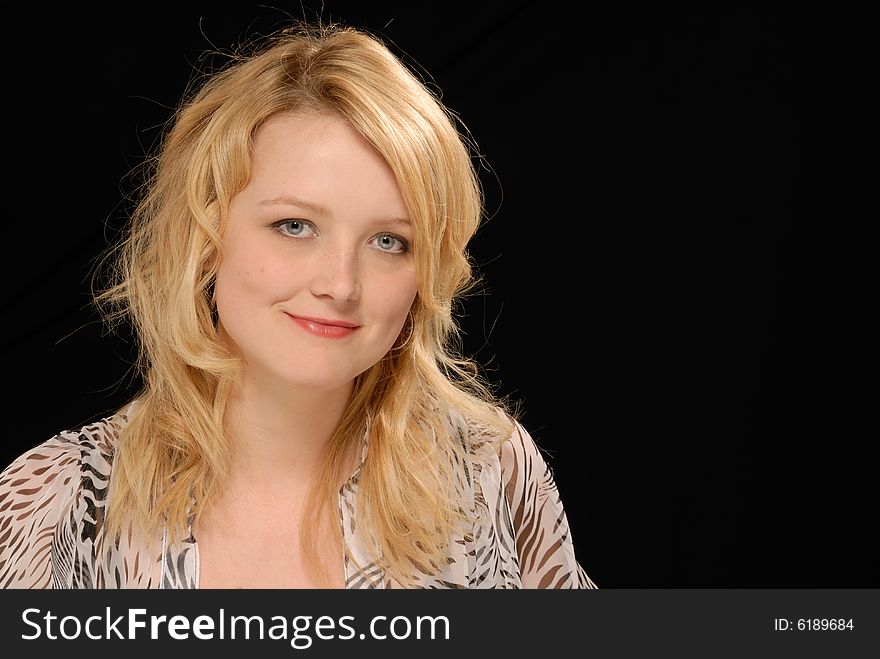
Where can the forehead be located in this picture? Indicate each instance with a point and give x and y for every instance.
(321, 158)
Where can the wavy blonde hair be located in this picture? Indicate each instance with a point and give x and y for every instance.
(175, 450)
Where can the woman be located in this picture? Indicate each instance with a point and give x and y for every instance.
(290, 272)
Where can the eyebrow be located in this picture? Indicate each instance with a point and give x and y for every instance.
(320, 209)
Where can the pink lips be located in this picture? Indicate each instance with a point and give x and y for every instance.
(325, 327)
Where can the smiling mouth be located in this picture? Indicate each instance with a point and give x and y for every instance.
(328, 329)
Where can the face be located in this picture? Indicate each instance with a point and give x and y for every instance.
(316, 275)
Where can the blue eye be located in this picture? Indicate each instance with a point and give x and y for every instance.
(293, 227)
(386, 243)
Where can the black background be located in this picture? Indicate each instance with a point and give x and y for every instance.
(659, 293)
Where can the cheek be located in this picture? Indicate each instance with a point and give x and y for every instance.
(253, 278)
(398, 297)
(387, 300)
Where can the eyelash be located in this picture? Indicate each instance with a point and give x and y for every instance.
(403, 242)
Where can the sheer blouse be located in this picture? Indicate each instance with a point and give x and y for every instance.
(53, 497)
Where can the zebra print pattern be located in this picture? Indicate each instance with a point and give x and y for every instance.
(53, 497)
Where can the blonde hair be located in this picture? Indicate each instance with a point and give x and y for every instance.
(175, 450)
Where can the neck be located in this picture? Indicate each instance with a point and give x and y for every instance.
(280, 435)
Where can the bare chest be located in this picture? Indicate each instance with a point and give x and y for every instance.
(261, 552)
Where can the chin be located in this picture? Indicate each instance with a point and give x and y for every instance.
(328, 383)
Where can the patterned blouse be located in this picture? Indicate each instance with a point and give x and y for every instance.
(52, 501)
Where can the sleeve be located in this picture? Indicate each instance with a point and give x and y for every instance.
(543, 541)
(37, 491)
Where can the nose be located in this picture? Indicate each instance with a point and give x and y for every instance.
(336, 274)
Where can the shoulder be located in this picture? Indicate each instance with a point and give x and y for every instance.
(500, 438)
(483, 433)
(41, 487)
(520, 456)
(496, 427)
